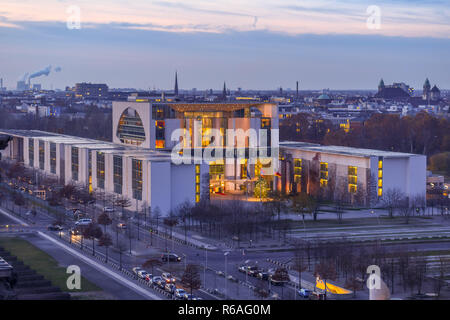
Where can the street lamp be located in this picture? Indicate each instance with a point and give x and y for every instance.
(206, 265)
(226, 279)
(184, 255)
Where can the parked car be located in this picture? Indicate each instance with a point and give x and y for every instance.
(156, 280)
(170, 287)
(220, 273)
(108, 210)
(188, 296)
(83, 222)
(243, 268)
(231, 278)
(263, 275)
(75, 231)
(168, 277)
(179, 293)
(142, 274)
(121, 226)
(170, 257)
(304, 293)
(253, 271)
(136, 270)
(54, 227)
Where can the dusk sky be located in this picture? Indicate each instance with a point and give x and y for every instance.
(253, 44)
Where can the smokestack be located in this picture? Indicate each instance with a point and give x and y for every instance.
(296, 96)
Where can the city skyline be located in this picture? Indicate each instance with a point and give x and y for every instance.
(263, 46)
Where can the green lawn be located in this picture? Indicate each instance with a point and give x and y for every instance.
(43, 264)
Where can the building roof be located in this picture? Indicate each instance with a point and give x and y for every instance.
(348, 151)
(392, 93)
(105, 147)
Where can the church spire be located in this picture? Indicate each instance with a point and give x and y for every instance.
(176, 83)
(224, 92)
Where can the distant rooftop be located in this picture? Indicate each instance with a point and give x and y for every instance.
(358, 152)
(103, 146)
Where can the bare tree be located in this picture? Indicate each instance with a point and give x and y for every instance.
(105, 241)
(191, 277)
(104, 220)
(391, 199)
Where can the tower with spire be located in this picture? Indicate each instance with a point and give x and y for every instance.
(381, 85)
(176, 84)
(426, 90)
(224, 92)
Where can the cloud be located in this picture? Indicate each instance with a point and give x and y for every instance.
(399, 18)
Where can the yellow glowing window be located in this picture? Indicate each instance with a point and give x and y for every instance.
(197, 169)
(197, 188)
(352, 188)
(323, 182)
(380, 164)
(380, 183)
(380, 192)
(197, 179)
(160, 144)
(197, 198)
(380, 173)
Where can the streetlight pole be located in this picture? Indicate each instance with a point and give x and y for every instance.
(206, 265)
(226, 279)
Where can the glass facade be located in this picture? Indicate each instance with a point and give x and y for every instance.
(197, 183)
(380, 176)
(298, 171)
(118, 174)
(41, 155)
(131, 129)
(100, 170)
(31, 152)
(136, 182)
(75, 163)
(53, 157)
(352, 179)
(323, 174)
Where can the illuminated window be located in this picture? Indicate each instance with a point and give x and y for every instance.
(244, 169)
(352, 179)
(298, 170)
(130, 129)
(323, 174)
(323, 182)
(197, 183)
(100, 170)
(160, 144)
(380, 176)
(258, 167)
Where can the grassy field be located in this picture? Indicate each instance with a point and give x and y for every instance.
(43, 264)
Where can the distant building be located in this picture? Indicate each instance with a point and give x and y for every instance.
(392, 92)
(91, 90)
(362, 175)
(22, 86)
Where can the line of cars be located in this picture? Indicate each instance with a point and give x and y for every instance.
(165, 281)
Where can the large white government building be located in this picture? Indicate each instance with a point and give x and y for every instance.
(137, 164)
